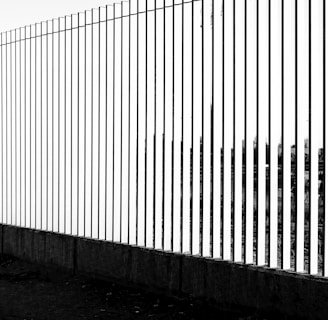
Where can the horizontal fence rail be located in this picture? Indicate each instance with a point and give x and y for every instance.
(196, 127)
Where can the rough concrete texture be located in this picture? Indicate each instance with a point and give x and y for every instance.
(1, 243)
(155, 270)
(39, 246)
(227, 284)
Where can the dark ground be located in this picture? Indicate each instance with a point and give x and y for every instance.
(29, 291)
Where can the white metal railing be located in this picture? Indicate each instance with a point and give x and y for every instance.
(190, 126)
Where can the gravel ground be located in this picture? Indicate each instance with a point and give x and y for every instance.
(29, 291)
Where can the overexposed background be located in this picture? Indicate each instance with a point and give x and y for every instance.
(18, 13)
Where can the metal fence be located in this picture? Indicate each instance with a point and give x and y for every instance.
(189, 126)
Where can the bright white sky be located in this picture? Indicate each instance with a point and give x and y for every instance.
(18, 13)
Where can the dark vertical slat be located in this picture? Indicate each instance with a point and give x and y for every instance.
(41, 120)
(52, 125)
(78, 128)
(282, 128)
(172, 143)
(310, 141)
(99, 93)
(223, 113)
(257, 129)
(296, 130)
(114, 70)
(15, 77)
(164, 131)
(121, 226)
(245, 119)
(182, 133)
(106, 126)
(47, 111)
(20, 122)
(65, 121)
(2, 127)
(35, 119)
(270, 129)
(137, 196)
(201, 226)
(30, 62)
(146, 120)
(25, 224)
(59, 61)
(155, 131)
(71, 200)
(91, 155)
(11, 127)
(324, 260)
(85, 115)
(129, 129)
(192, 124)
(234, 116)
(6, 127)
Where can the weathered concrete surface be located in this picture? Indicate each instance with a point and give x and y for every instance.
(39, 246)
(1, 238)
(230, 285)
(155, 269)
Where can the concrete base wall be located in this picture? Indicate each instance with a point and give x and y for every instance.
(226, 284)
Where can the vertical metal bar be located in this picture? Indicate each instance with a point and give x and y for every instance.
(282, 136)
(25, 224)
(2, 130)
(182, 131)
(164, 118)
(106, 129)
(192, 124)
(47, 112)
(91, 155)
(114, 71)
(146, 118)
(311, 171)
(1, 101)
(59, 62)
(245, 115)
(257, 133)
(155, 131)
(129, 102)
(212, 140)
(121, 226)
(99, 92)
(71, 200)
(325, 176)
(78, 128)
(35, 121)
(30, 63)
(201, 226)
(15, 77)
(85, 114)
(52, 119)
(65, 122)
(20, 123)
(11, 129)
(137, 198)
(41, 120)
(234, 120)
(7, 127)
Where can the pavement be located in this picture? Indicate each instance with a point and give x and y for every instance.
(29, 291)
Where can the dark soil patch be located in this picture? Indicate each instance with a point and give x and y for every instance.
(29, 291)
